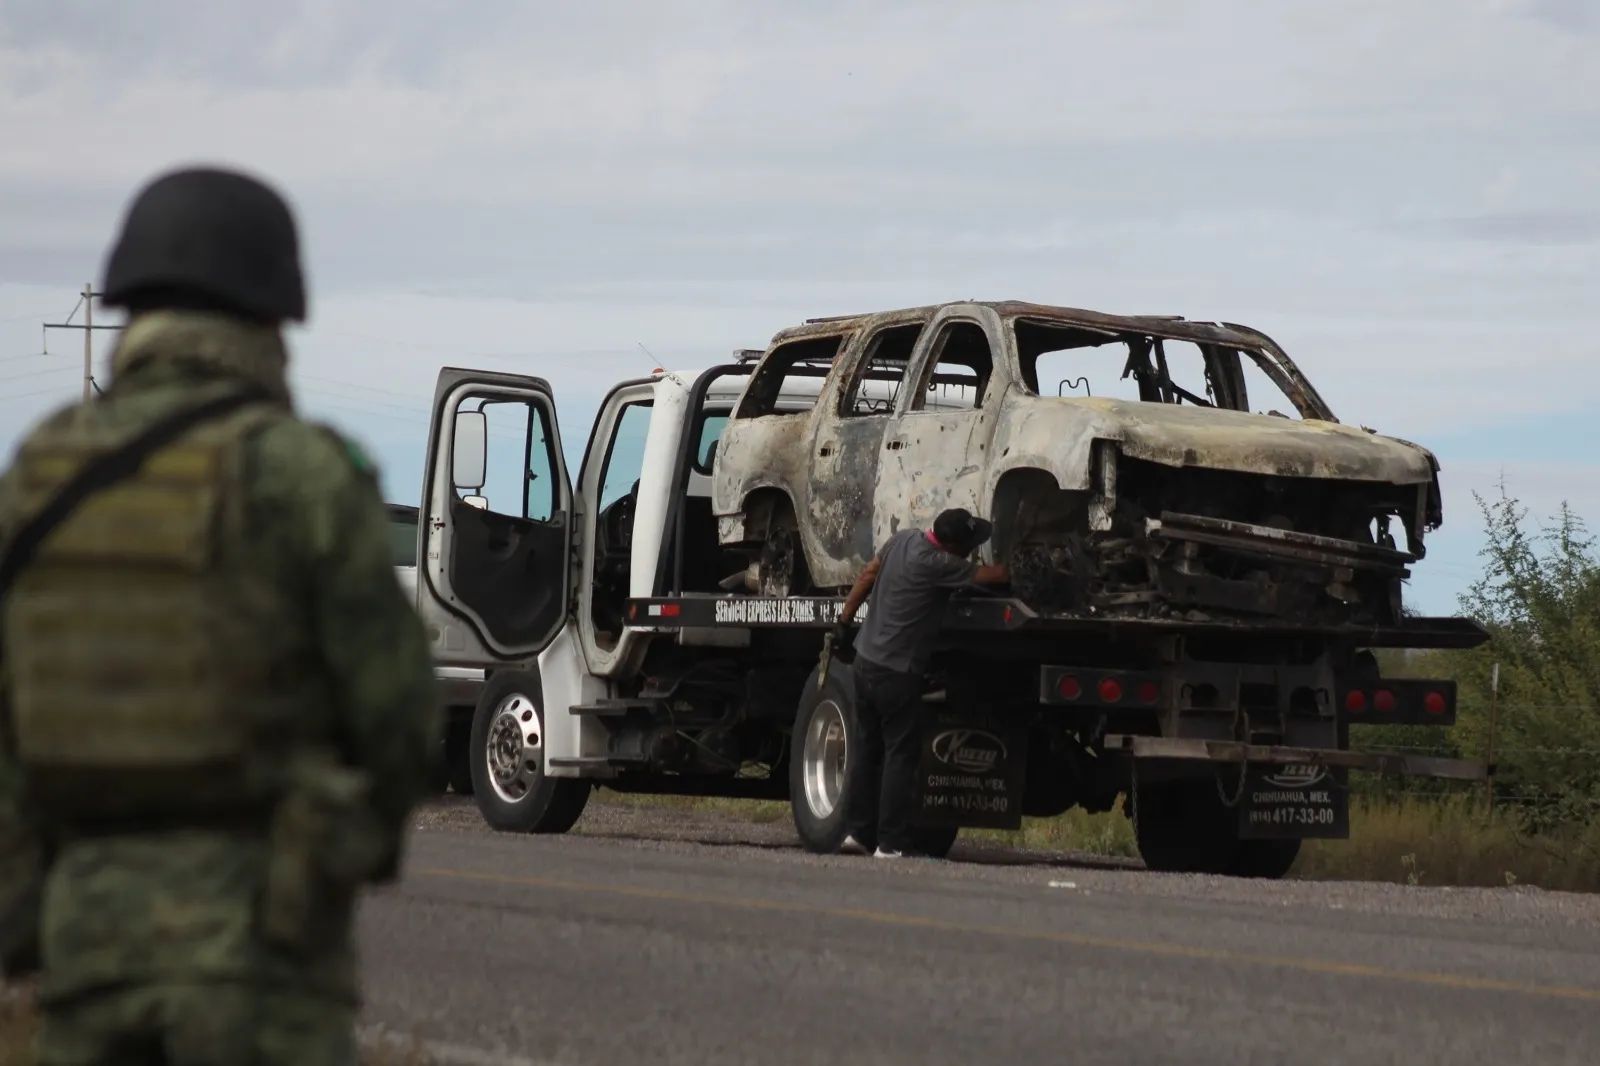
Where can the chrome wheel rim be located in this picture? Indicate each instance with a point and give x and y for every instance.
(514, 750)
(822, 759)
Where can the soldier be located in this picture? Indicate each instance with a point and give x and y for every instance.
(218, 708)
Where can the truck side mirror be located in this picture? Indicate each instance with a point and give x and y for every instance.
(469, 450)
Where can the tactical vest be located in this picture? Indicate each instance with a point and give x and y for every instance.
(153, 673)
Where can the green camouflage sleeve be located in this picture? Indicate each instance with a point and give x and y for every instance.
(332, 520)
(22, 843)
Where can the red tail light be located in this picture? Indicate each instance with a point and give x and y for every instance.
(1383, 701)
(1433, 703)
(1355, 701)
(1149, 692)
(1110, 690)
(1069, 688)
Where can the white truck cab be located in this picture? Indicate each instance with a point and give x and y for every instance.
(526, 570)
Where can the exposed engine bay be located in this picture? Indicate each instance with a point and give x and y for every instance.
(1204, 545)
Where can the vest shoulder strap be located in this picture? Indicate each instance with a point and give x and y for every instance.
(106, 470)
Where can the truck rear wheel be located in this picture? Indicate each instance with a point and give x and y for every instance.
(1184, 827)
(1269, 859)
(507, 751)
(819, 762)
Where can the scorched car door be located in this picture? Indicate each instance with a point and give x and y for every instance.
(935, 452)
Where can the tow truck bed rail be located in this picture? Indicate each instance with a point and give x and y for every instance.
(1005, 614)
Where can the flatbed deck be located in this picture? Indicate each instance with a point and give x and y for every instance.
(1005, 614)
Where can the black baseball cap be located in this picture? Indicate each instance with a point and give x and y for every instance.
(960, 528)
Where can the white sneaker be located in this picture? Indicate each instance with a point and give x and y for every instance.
(852, 846)
(888, 853)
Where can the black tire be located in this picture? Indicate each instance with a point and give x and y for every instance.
(821, 828)
(458, 755)
(820, 824)
(1269, 859)
(528, 802)
(1184, 827)
(934, 841)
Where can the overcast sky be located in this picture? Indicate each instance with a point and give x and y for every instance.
(1404, 193)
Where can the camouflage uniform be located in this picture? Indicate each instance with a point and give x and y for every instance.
(151, 944)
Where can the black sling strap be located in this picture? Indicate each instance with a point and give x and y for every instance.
(105, 471)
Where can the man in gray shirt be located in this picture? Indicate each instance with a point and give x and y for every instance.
(910, 582)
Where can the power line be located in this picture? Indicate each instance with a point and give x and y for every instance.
(366, 388)
(35, 373)
(26, 395)
(320, 398)
(23, 355)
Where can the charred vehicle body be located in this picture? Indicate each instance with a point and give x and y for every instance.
(1137, 467)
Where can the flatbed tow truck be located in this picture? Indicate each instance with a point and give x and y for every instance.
(612, 653)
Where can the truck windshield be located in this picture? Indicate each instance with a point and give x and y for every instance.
(1064, 360)
(711, 427)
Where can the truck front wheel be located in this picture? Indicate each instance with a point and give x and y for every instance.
(507, 749)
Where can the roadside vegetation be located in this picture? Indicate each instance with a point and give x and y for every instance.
(1539, 598)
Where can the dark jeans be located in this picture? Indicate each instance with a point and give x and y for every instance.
(881, 790)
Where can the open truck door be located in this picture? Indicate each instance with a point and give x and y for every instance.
(498, 524)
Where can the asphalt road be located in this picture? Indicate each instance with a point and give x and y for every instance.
(654, 937)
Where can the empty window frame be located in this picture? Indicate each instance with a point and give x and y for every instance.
(1066, 360)
(881, 372)
(786, 376)
(959, 372)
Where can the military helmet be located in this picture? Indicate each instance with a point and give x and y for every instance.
(208, 237)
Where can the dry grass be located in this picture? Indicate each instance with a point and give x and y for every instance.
(1452, 841)
(1448, 841)
(1109, 834)
(741, 810)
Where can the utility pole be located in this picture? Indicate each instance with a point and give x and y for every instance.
(88, 328)
(88, 336)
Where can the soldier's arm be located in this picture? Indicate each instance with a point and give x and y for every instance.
(371, 640)
(23, 848)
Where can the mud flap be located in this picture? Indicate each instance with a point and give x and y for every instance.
(1289, 802)
(972, 771)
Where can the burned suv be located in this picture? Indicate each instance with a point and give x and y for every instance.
(1138, 466)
